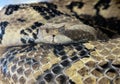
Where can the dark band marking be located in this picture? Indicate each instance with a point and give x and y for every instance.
(56, 72)
(72, 82)
(21, 20)
(47, 13)
(33, 27)
(73, 4)
(107, 68)
(38, 24)
(23, 32)
(31, 41)
(10, 56)
(27, 39)
(23, 40)
(104, 3)
(34, 35)
(11, 8)
(3, 25)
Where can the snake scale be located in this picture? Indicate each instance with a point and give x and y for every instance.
(60, 42)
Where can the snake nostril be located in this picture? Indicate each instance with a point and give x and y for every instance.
(53, 35)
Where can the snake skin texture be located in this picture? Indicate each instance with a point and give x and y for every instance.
(60, 42)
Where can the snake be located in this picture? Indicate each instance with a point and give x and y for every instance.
(60, 42)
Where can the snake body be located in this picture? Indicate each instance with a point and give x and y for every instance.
(60, 42)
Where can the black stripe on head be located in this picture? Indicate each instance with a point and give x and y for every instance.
(3, 25)
(11, 8)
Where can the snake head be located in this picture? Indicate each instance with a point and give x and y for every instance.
(62, 33)
(52, 34)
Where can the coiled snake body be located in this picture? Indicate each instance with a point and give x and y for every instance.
(60, 42)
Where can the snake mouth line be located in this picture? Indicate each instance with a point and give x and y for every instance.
(53, 38)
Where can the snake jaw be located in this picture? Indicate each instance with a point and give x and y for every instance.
(62, 39)
(54, 39)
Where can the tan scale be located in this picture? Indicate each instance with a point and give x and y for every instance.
(100, 67)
